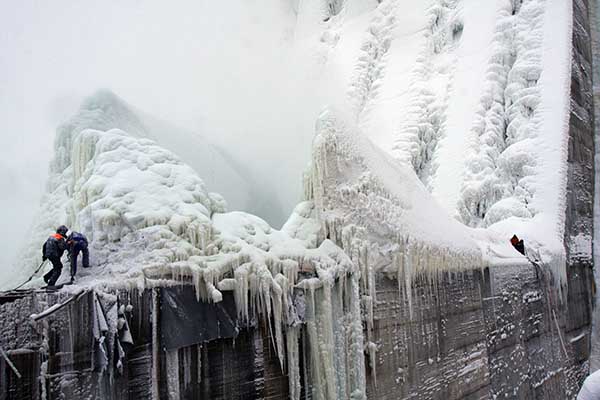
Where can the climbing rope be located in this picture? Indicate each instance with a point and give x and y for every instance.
(32, 275)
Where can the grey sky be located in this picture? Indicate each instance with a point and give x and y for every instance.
(215, 67)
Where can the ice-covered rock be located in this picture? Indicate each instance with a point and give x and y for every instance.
(152, 222)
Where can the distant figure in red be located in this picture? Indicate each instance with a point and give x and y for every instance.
(518, 244)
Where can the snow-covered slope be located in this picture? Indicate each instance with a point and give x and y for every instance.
(473, 97)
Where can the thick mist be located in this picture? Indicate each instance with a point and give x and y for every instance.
(243, 74)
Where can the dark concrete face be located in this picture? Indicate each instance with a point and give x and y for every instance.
(246, 366)
(503, 332)
(580, 184)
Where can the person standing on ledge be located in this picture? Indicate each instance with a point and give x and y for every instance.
(77, 242)
(518, 244)
(53, 249)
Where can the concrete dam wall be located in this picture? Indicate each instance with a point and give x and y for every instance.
(474, 335)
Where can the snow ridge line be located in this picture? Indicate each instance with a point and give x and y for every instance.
(371, 63)
(418, 137)
(498, 181)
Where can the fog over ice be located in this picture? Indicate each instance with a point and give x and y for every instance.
(228, 70)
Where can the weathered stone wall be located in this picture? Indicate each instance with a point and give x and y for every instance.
(503, 333)
(594, 8)
(440, 353)
(579, 218)
(536, 341)
(63, 348)
(580, 184)
(498, 333)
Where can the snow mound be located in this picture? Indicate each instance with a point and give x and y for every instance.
(104, 111)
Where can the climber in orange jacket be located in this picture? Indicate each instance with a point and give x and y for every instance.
(53, 249)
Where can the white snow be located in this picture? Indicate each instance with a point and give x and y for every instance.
(591, 387)
(475, 98)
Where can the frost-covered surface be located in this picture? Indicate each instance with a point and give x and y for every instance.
(425, 122)
(451, 109)
(497, 175)
(152, 222)
(104, 111)
(474, 98)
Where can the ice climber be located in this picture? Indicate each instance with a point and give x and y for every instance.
(77, 242)
(52, 250)
(518, 244)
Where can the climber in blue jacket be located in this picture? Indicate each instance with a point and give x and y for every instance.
(77, 242)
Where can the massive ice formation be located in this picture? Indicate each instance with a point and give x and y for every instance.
(151, 221)
(389, 171)
(498, 183)
(475, 100)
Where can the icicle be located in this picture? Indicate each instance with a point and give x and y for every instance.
(214, 294)
(172, 371)
(155, 346)
(407, 265)
(276, 298)
(293, 359)
(372, 351)
(368, 303)
(290, 271)
(325, 316)
(241, 291)
(313, 349)
(44, 353)
(187, 366)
